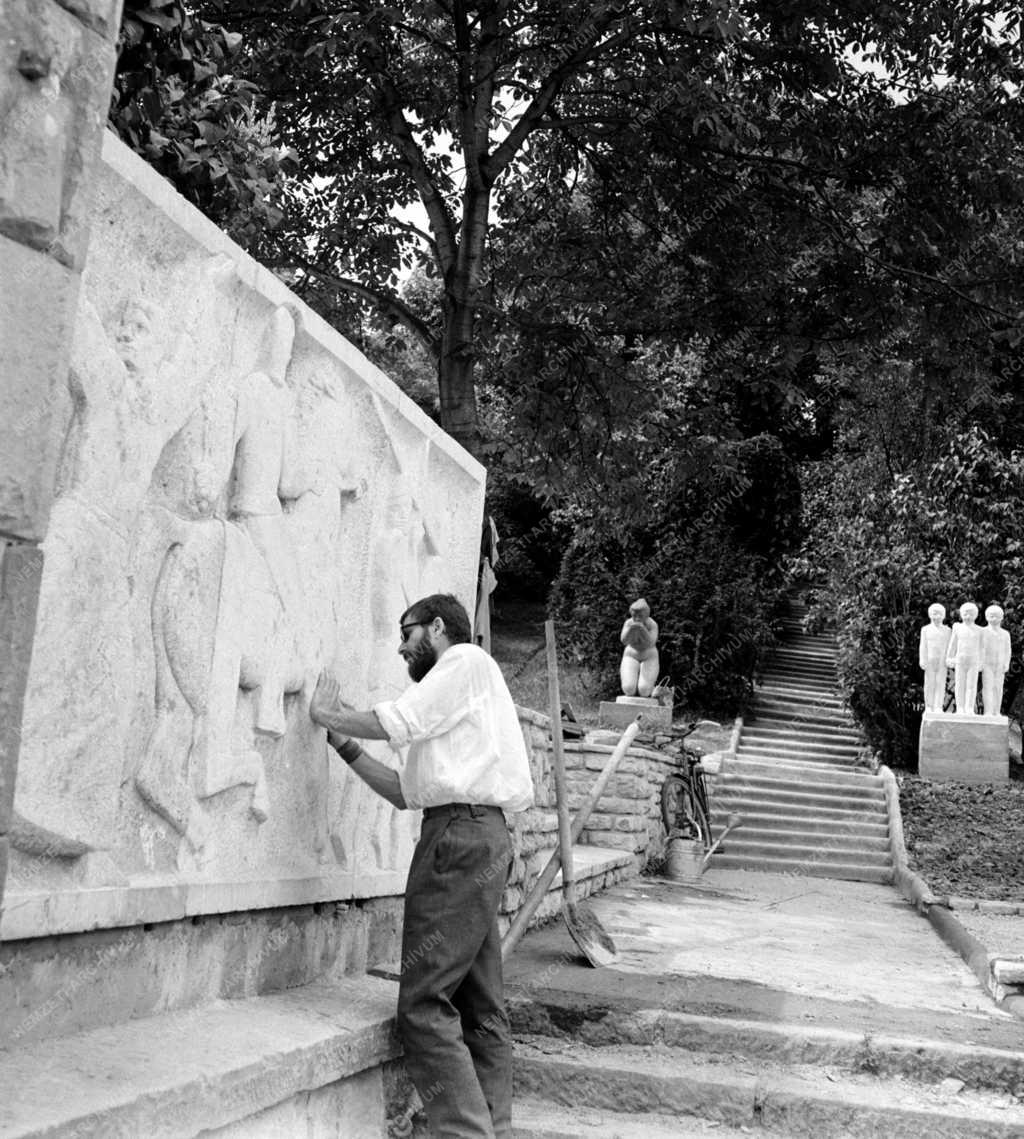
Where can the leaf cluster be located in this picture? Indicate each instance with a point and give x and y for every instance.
(179, 102)
(946, 531)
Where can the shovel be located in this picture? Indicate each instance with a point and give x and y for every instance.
(580, 920)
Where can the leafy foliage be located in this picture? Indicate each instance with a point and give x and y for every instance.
(893, 544)
(180, 104)
(704, 557)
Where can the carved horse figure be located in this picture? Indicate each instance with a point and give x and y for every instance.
(219, 625)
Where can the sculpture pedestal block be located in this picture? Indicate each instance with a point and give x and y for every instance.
(622, 711)
(968, 749)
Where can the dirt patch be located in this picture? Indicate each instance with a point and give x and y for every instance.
(966, 839)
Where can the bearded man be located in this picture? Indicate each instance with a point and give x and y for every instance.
(466, 766)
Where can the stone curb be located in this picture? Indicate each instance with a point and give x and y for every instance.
(939, 911)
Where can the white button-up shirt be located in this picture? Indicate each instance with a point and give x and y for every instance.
(462, 729)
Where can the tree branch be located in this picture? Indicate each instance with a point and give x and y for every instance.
(386, 303)
(549, 89)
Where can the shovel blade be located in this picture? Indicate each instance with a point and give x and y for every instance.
(589, 935)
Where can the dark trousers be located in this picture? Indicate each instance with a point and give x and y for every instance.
(451, 1006)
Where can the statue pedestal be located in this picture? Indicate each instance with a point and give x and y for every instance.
(623, 710)
(968, 749)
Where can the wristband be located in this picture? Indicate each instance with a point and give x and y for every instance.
(349, 751)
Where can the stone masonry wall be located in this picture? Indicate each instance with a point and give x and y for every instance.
(627, 818)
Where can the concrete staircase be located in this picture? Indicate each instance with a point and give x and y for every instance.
(808, 806)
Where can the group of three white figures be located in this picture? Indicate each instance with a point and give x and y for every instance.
(970, 650)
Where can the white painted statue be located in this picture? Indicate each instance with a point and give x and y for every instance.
(964, 657)
(932, 655)
(638, 671)
(995, 660)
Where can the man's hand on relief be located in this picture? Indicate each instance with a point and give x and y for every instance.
(326, 700)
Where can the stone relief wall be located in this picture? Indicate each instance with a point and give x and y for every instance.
(241, 498)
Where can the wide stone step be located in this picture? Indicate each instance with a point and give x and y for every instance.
(793, 702)
(767, 1096)
(799, 749)
(801, 657)
(198, 1070)
(800, 740)
(773, 679)
(807, 823)
(793, 649)
(839, 850)
(794, 641)
(772, 755)
(854, 871)
(794, 806)
(923, 1059)
(827, 794)
(772, 728)
(792, 694)
(783, 714)
(540, 1119)
(813, 773)
(778, 840)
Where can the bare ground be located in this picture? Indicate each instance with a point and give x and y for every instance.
(966, 839)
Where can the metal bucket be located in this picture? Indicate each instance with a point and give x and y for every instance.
(684, 859)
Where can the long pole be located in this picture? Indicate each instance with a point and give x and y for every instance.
(547, 875)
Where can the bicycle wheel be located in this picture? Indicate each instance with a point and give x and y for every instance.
(682, 812)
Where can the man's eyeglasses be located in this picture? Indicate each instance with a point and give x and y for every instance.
(410, 625)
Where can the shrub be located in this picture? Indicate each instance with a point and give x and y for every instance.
(892, 546)
(706, 561)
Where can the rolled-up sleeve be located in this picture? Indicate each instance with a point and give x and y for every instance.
(431, 707)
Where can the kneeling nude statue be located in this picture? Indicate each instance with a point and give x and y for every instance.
(639, 668)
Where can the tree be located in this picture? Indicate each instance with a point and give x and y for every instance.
(178, 102)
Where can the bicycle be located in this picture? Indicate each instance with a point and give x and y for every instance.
(684, 801)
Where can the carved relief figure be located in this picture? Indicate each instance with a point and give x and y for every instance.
(224, 609)
(995, 660)
(964, 657)
(405, 565)
(130, 391)
(932, 654)
(639, 668)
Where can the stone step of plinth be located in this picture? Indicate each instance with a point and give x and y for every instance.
(923, 1060)
(541, 1119)
(770, 1096)
(199, 1070)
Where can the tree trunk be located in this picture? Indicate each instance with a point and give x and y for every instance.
(456, 367)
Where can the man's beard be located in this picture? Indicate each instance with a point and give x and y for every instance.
(421, 660)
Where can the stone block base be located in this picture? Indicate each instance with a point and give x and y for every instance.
(286, 1064)
(621, 712)
(967, 749)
